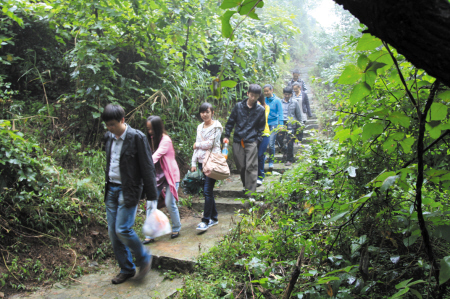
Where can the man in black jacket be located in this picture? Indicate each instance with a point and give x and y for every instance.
(129, 171)
(248, 120)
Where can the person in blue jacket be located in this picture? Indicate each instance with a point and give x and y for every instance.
(275, 119)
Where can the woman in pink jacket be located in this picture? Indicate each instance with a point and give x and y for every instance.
(167, 172)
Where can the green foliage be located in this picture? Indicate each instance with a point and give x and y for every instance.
(352, 203)
(39, 195)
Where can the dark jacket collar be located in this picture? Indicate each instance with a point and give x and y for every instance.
(244, 103)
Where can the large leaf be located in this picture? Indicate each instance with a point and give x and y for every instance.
(368, 42)
(350, 75)
(253, 15)
(438, 111)
(407, 144)
(363, 60)
(228, 83)
(410, 240)
(338, 216)
(442, 231)
(226, 27)
(247, 5)
(444, 274)
(228, 3)
(375, 65)
(434, 132)
(399, 118)
(445, 95)
(370, 77)
(359, 91)
(371, 129)
(400, 293)
(389, 181)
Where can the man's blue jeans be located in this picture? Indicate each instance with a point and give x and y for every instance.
(261, 157)
(210, 211)
(273, 138)
(123, 238)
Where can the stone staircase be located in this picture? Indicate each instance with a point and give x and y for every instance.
(181, 253)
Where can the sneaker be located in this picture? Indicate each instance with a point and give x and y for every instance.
(270, 164)
(202, 226)
(122, 277)
(258, 183)
(288, 163)
(213, 222)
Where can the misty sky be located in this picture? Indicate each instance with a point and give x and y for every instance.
(324, 13)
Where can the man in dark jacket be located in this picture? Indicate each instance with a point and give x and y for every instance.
(292, 117)
(129, 171)
(248, 120)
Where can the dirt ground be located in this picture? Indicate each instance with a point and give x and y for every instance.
(37, 260)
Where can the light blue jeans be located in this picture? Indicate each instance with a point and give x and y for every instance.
(171, 204)
(272, 139)
(123, 238)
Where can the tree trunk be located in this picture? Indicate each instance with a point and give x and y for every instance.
(418, 29)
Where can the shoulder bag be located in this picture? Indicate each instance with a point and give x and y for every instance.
(215, 165)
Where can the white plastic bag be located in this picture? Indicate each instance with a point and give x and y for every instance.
(156, 224)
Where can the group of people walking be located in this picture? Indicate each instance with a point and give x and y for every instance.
(138, 164)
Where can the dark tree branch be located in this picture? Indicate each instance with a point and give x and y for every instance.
(352, 113)
(418, 29)
(447, 132)
(411, 98)
(295, 275)
(419, 182)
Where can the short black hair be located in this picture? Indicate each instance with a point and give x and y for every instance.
(296, 72)
(204, 107)
(268, 85)
(113, 112)
(287, 89)
(254, 88)
(296, 84)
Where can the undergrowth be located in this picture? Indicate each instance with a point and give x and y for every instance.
(358, 242)
(51, 218)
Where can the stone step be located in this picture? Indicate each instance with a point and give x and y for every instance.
(278, 167)
(181, 253)
(311, 121)
(98, 285)
(233, 187)
(223, 204)
(177, 254)
(312, 126)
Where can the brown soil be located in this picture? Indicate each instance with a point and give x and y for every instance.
(38, 261)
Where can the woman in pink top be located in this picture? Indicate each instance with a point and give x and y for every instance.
(167, 172)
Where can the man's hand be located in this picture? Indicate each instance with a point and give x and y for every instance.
(225, 140)
(193, 169)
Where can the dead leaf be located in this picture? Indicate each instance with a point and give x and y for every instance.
(330, 291)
